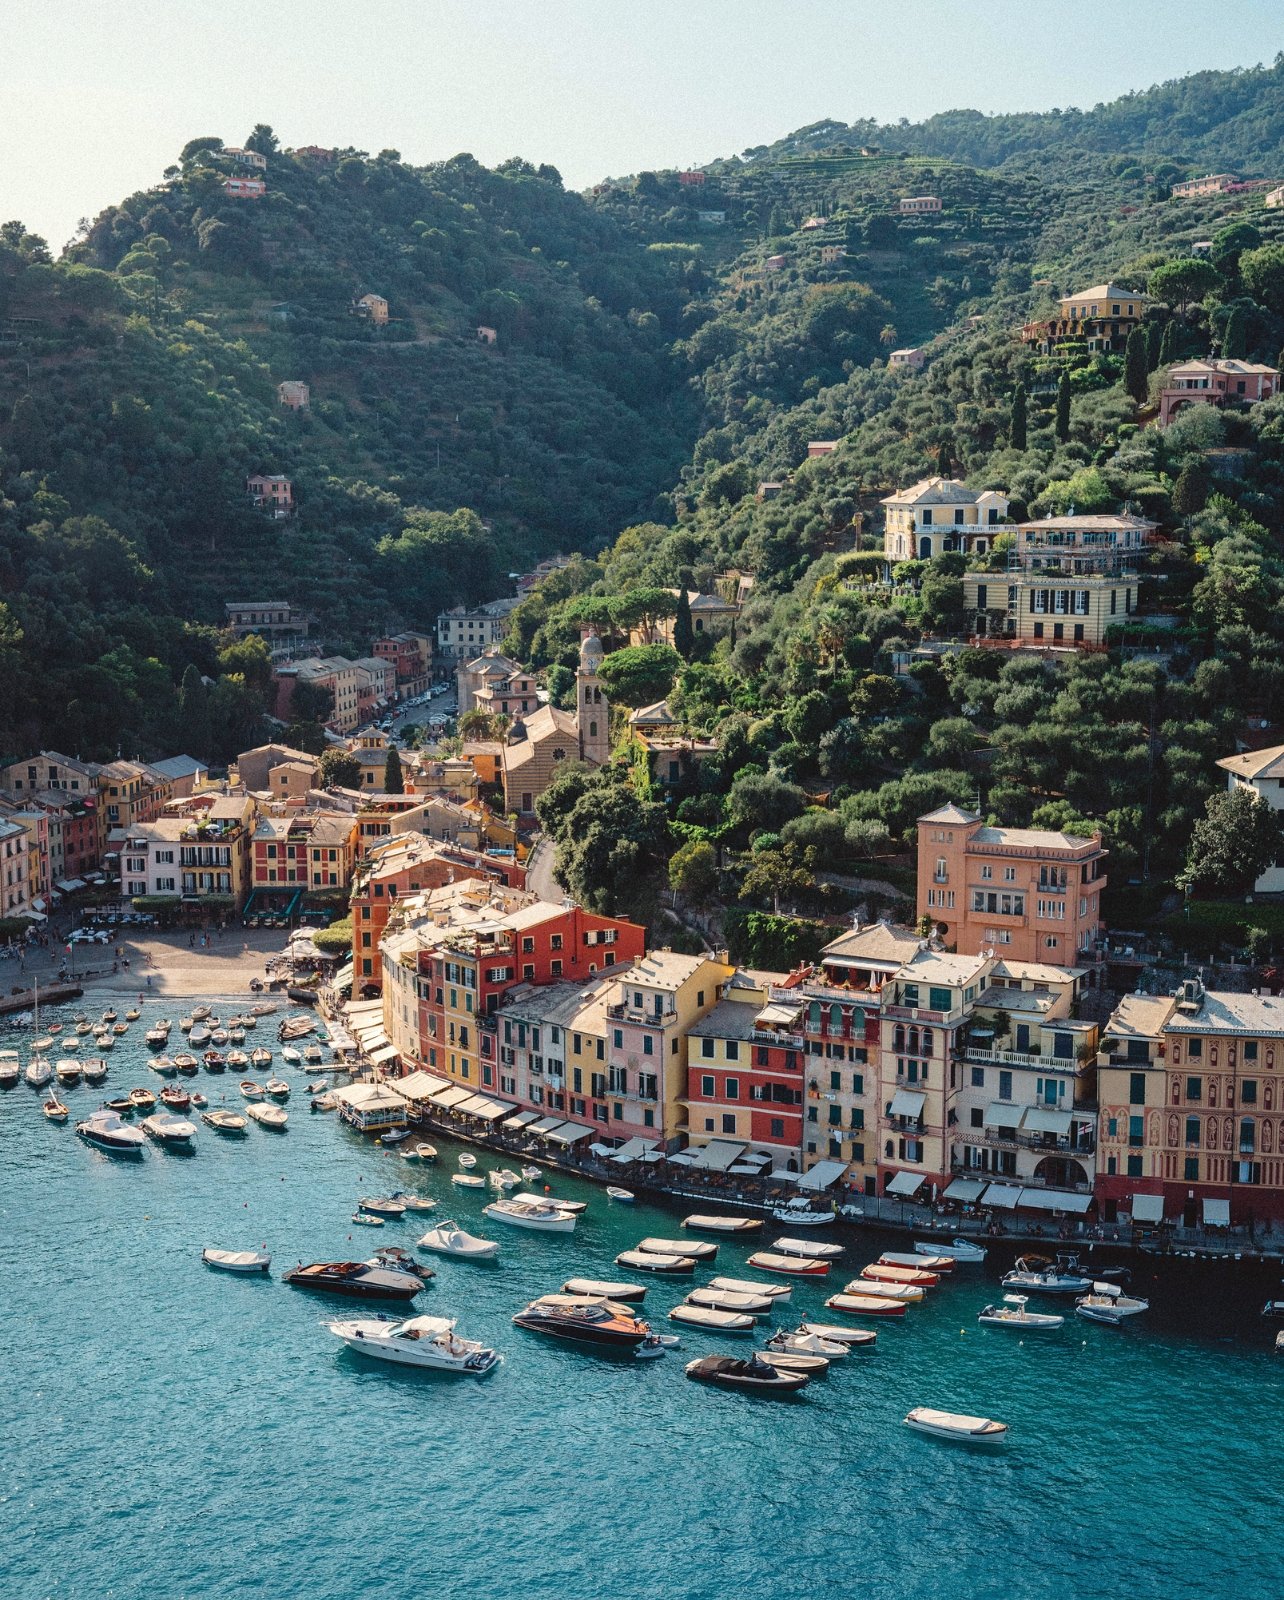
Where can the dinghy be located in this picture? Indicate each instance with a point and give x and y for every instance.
(959, 1250)
(625, 1196)
(795, 1266)
(959, 1428)
(865, 1305)
(779, 1292)
(226, 1122)
(751, 1377)
(1013, 1314)
(55, 1110)
(450, 1240)
(243, 1261)
(466, 1180)
(752, 1305)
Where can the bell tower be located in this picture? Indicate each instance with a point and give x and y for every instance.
(592, 709)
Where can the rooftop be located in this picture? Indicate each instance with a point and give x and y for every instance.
(1230, 1013)
(878, 943)
(1267, 763)
(938, 492)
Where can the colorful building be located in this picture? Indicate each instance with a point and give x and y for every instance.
(1262, 771)
(272, 493)
(1215, 383)
(939, 515)
(1101, 318)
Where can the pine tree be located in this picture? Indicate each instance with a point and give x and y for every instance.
(194, 711)
(1063, 406)
(1018, 424)
(1137, 367)
(944, 459)
(393, 781)
(683, 632)
(1168, 344)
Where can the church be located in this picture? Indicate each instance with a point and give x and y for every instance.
(538, 742)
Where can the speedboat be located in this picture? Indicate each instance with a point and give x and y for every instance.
(701, 1249)
(699, 1223)
(467, 1180)
(959, 1250)
(67, 1071)
(54, 1109)
(752, 1376)
(1109, 1304)
(647, 1261)
(273, 1118)
(1012, 1314)
(449, 1240)
(106, 1131)
(394, 1136)
(250, 1089)
(429, 1342)
(10, 1068)
(1042, 1276)
(324, 1102)
(278, 1088)
(604, 1289)
(597, 1322)
(365, 1280)
(917, 1261)
(799, 1343)
(165, 1128)
(795, 1266)
(713, 1320)
(382, 1208)
(244, 1261)
(142, 1099)
(865, 1305)
(39, 1073)
(776, 1291)
(752, 1305)
(226, 1122)
(467, 1160)
(530, 1174)
(624, 1196)
(811, 1249)
(94, 1069)
(414, 1202)
(503, 1178)
(952, 1425)
(801, 1214)
(548, 1218)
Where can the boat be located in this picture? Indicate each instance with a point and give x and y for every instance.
(865, 1305)
(54, 1109)
(917, 1259)
(236, 1035)
(419, 1152)
(133, 1014)
(1107, 1303)
(701, 1249)
(187, 1064)
(576, 1208)
(467, 1160)
(262, 1008)
(104, 1041)
(776, 1291)
(273, 1118)
(39, 1073)
(395, 1136)
(1273, 1308)
(654, 1346)
(186, 1024)
(798, 1343)
(227, 1122)
(801, 1213)
(83, 1026)
(415, 1202)
(605, 1289)
(163, 1127)
(174, 1098)
(1042, 1276)
(163, 1066)
(291, 1056)
(811, 1249)
(67, 1071)
(909, 1292)
(961, 1429)
(427, 1342)
(215, 1061)
(752, 1305)
(875, 1272)
(387, 1207)
(837, 1333)
(312, 1053)
(123, 1106)
(109, 1015)
(120, 1029)
(795, 1266)
(1012, 1314)
(449, 1240)
(788, 1361)
(595, 1322)
(365, 1280)
(142, 1099)
(467, 1180)
(105, 1130)
(244, 1261)
(94, 1069)
(367, 1220)
(961, 1250)
(10, 1068)
(199, 1100)
(278, 1088)
(714, 1320)
(503, 1178)
(547, 1218)
(531, 1174)
(647, 1261)
(237, 1060)
(624, 1196)
(199, 1036)
(200, 1013)
(219, 1037)
(697, 1222)
(752, 1376)
(324, 1102)
(155, 1038)
(260, 1057)
(250, 1089)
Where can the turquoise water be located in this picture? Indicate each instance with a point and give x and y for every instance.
(169, 1432)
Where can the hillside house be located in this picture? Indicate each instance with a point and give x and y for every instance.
(912, 359)
(245, 158)
(465, 631)
(1274, 199)
(1262, 771)
(487, 335)
(294, 394)
(373, 307)
(774, 263)
(832, 253)
(244, 188)
(274, 620)
(1193, 188)
(1215, 383)
(940, 515)
(919, 205)
(1101, 317)
(691, 180)
(272, 493)
(812, 224)
(821, 447)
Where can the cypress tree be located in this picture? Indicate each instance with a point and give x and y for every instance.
(1017, 426)
(1168, 344)
(944, 459)
(1137, 367)
(1235, 336)
(1190, 492)
(1154, 335)
(683, 632)
(393, 782)
(194, 709)
(1063, 406)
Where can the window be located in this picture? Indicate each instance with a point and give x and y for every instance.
(706, 1048)
(733, 1089)
(1005, 1085)
(1136, 1090)
(733, 1050)
(977, 1117)
(1134, 1167)
(777, 1127)
(648, 1045)
(1194, 1088)
(978, 1077)
(1248, 1092)
(728, 1122)
(707, 1086)
(1192, 1130)
(1136, 1131)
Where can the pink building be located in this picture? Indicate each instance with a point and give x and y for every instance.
(272, 493)
(244, 188)
(1215, 383)
(821, 447)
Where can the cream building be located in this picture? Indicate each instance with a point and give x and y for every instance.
(1262, 771)
(538, 743)
(937, 515)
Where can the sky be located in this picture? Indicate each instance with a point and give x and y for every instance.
(97, 99)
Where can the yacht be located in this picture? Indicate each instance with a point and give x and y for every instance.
(547, 1218)
(362, 1280)
(105, 1130)
(429, 1342)
(752, 1376)
(165, 1128)
(583, 1321)
(1013, 1314)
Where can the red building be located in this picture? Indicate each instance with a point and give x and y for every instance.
(410, 655)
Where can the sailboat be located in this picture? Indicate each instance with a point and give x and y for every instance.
(39, 1072)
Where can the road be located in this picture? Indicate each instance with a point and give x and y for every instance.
(539, 873)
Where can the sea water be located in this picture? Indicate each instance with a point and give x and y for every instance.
(167, 1431)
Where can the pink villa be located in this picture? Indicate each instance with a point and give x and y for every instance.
(244, 188)
(271, 492)
(1215, 383)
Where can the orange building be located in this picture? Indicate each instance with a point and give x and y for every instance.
(1026, 894)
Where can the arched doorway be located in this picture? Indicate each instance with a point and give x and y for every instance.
(1061, 1172)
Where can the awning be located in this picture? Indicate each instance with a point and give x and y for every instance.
(545, 1125)
(356, 1010)
(369, 1097)
(1147, 1208)
(37, 905)
(450, 1096)
(343, 978)
(683, 1158)
(1217, 1213)
(632, 1150)
(903, 1183)
(1046, 1119)
(1002, 1196)
(33, 916)
(756, 1158)
(964, 1190)
(822, 1175)
(907, 1103)
(384, 1053)
(482, 1106)
(1055, 1200)
(521, 1119)
(569, 1133)
(69, 885)
(783, 1016)
(718, 1154)
(997, 1115)
(418, 1086)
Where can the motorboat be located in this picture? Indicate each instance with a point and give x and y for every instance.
(697, 1222)
(467, 1180)
(237, 1060)
(250, 1089)
(1042, 1276)
(794, 1266)
(104, 1040)
(243, 1261)
(647, 1261)
(163, 1066)
(392, 1255)
(174, 1098)
(577, 1208)
(394, 1136)
(273, 1118)
(156, 1038)
(83, 1026)
(109, 1015)
(1107, 1303)
(838, 1333)
(94, 1069)
(713, 1320)
(428, 1342)
(312, 1054)
(142, 1099)
(752, 1376)
(120, 1029)
(54, 1109)
(163, 1127)
(106, 1131)
(877, 1273)
(10, 1068)
(655, 1345)
(67, 1071)
(278, 1088)
(1273, 1308)
(788, 1361)
(961, 1251)
(414, 1202)
(701, 1249)
(531, 1174)
(215, 1060)
(367, 1219)
(449, 1240)
(364, 1280)
(916, 1260)
(186, 1024)
(866, 1305)
(467, 1160)
(187, 1063)
(811, 1249)
(1012, 1313)
(910, 1293)
(503, 1178)
(798, 1343)
(801, 1213)
(547, 1218)
(324, 1102)
(952, 1425)
(225, 1122)
(387, 1207)
(595, 1322)
(39, 1073)
(291, 1056)
(262, 1008)
(752, 1305)
(605, 1289)
(260, 1057)
(123, 1106)
(624, 1196)
(199, 1037)
(780, 1292)
(199, 1100)
(200, 1013)
(419, 1152)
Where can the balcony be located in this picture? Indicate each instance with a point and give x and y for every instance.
(1045, 1144)
(646, 1016)
(1017, 1058)
(921, 1014)
(960, 1170)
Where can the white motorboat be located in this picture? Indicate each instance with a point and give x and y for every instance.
(278, 1088)
(394, 1136)
(382, 1207)
(260, 1057)
(312, 1054)
(291, 1056)
(911, 1293)
(67, 1071)
(959, 1250)
(155, 1038)
(104, 1040)
(531, 1174)
(367, 1219)
(429, 1342)
(810, 1249)
(546, 1217)
(697, 1249)
(798, 1343)
(165, 1128)
(230, 1123)
(777, 1291)
(449, 1240)
(199, 1037)
(1013, 1314)
(1107, 1303)
(235, 1036)
(273, 1117)
(1041, 1276)
(713, 1320)
(624, 1196)
(105, 1130)
(467, 1180)
(916, 1261)
(503, 1178)
(199, 1013)
(605, 1289)
(39, 1073)
(10, 1068)
(467, 1160)
(801, 1213)
(952, 1425)
(94, 1069)
(186, 1024)
(752, 1305)
(698, 1222)
(244, 1261)
(577, 1208)
(414, 1202)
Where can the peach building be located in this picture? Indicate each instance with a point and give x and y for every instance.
(1215, 383)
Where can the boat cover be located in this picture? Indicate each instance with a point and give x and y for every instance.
(904, 1183)
(1147, 1208)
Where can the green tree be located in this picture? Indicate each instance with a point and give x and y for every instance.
(944, 459)
(640, 674)
(778, 875)
(1262, 272)
(340, 769)
(194, 713)
(263, 140)
(1137, 367)
(761, 800)
(683, 631)
(1168, 344)
(393, 781)
(1232, 844)
(1230, 243)
(693, 871)
(1018, 421)
(1063, 406)
(1190, 492)
(1235, 335)
(1177, 283)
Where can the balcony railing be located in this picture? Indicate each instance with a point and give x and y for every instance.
(642, 1014)
(920, 1014)
(1017, 1058)
(1045, 1144)
(1031, 1182)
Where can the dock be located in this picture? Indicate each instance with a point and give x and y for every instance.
(51, 994)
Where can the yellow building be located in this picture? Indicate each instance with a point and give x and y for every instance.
(1101, 317)
(937, 515)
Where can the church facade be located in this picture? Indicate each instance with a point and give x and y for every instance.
(538, 743)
